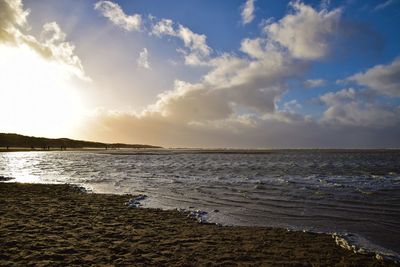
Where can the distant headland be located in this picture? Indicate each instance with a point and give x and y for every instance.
(10, 141)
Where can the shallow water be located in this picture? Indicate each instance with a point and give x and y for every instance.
(330, 191)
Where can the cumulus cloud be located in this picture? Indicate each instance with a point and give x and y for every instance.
(292, 106)
(254, 48)
(197, 51)
(248, 12)
(232, 83)
(350, 107)
(12, 17)
(164, 27)
(143, 60)
(192, 103)
(306, 32)
(384, 79)
(51, 45)
(116, 15)
(312, 83)
(53, 38)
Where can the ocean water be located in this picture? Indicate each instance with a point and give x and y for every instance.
(356, 192)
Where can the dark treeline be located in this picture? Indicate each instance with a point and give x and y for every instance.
(21, 141)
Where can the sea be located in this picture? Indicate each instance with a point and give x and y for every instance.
(353, 193)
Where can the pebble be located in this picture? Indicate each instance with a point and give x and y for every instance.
(4, 178)
(199, 215)
(135, 202)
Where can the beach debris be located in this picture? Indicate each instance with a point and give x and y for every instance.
(215, 210)
(5, 179)
(199, 215)
(345, 240)
(379, 257)
(135, 202)
(352, 242)
(79, 189)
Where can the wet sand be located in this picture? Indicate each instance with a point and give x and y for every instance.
(48, 225)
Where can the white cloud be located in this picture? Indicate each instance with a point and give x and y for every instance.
(233, 83)
(325, 4)
(196, 42)
(143, 60)
(349, 107)
(197, 51)
(248, 12)
(255, 48)
(292, 106)
(312, 83)
(116, 15)
(306, 32)
(164, 27)
(52, 44)
(384, 79)
(53, 38)
(12, 17)
(193, 103)
(384, 5)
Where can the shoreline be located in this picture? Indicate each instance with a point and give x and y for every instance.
(189, 150)
(58, 224)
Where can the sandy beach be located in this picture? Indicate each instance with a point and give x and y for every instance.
(47, 225)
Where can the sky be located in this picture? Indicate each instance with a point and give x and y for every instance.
(203, 73)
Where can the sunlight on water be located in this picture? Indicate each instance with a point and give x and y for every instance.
(20, 165)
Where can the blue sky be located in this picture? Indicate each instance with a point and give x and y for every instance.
(220, 76)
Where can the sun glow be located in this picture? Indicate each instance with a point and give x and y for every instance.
(38, 96)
